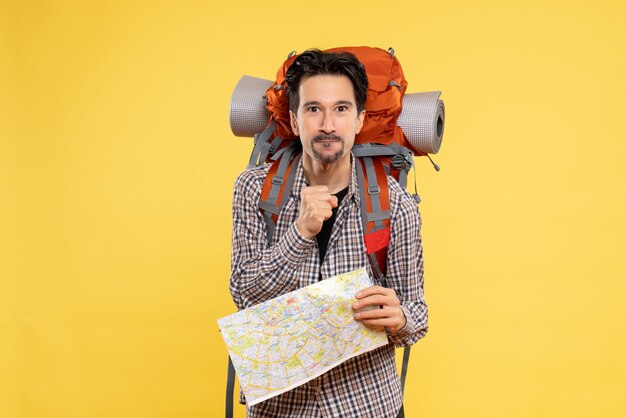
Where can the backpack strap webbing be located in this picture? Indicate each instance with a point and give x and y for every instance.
(405, 367)
(277, 187)
(263, 146)
(230, 389)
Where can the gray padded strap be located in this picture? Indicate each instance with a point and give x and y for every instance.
(373, 150)
(269, 207)
(374, 191)
(361, 182)
(279, 177)
(272, 205)
(291, 146)
(290, 181)
(269, 226)
(380, 216)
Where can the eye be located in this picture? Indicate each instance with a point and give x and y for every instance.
(342, 108)
(313, 109)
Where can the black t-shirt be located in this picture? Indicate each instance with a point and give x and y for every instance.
(324, 235)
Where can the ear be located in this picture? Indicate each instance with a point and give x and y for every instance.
(294, 122)
(360, 120)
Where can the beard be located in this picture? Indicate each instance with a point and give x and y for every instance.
(327, 158)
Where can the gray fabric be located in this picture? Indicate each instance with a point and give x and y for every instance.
(289, 184)
(373, 150)
(378, 216)
(422, 120)
(247, 113)
(269, 207)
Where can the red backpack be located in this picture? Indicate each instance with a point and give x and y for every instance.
(381, 148)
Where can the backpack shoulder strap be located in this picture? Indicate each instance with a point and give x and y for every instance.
(277, 187)
(376, 220)
(375, 214)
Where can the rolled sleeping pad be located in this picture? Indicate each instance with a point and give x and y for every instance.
(422, 119)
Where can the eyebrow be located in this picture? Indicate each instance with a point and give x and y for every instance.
(338, 103)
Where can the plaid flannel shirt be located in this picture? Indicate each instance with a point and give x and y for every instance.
(364, 386)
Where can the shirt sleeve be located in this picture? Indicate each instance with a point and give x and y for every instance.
(259, 271)
(405, 271)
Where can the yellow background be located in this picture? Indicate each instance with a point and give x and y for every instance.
(116, 170)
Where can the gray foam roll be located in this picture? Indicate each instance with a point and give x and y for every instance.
(247, 114)
(422, 118)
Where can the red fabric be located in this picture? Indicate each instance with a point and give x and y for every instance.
(375, 241)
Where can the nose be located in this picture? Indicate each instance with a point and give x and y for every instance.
(328, 126)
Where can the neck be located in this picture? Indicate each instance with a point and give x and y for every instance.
(336, 176)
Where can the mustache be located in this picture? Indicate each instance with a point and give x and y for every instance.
(326, 137)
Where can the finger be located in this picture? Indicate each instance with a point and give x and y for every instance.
(376, 300)
(317, 198)
(323, 204)
(328, 198)
(392, 324)
(323, 214)
(377, 314)
(315, 189)
(374, 290)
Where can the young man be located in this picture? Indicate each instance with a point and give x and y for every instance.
(319, 235)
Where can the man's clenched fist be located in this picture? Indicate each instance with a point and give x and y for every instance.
(316, 205)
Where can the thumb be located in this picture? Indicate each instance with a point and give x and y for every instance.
(334, 201)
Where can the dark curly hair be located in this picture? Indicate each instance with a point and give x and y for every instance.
(314, 62)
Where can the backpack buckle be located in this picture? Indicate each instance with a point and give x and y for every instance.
(373, 190)
(398, 161)
(278, 180)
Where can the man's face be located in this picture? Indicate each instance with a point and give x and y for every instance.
(327, 119)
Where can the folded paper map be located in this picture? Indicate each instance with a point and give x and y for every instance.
(286, 341)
